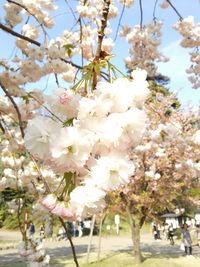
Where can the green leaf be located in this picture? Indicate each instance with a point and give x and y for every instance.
(68, 49)
(69, 182)
(26, 98)
(68, 123)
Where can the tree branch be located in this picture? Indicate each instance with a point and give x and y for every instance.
(8, 30)
(154, 10)
(101, 33)
(2, 128)
(16, 108)
(70, 241)
(23, 37)
(173, 7)
(120, 19)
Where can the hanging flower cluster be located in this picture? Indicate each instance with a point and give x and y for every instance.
(38, 8)
(190, 32)
(144, 43)
(93, 151)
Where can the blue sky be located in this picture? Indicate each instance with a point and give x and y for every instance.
(179, 58)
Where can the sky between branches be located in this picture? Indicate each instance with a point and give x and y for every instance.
(179, 58)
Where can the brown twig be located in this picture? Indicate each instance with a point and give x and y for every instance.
(2, 128)
(28, 11)
(173, 7)
(70, 240)
(101, 33)
(8, 30)
(16, 108)
(23, 37)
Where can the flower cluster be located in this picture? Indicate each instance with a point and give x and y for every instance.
(190, 32)
(34, 253)
(38, 8)
(95, 147)
(144, 44)
(166, 160)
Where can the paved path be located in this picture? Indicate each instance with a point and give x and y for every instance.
(108, 244)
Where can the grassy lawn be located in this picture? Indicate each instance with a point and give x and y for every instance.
(122, 260)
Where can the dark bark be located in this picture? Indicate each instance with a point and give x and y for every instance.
(135, 223)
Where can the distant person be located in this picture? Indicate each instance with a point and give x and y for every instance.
(42, 231)
(171, 234)
(158, 231)
(31, 230)
(61, 234)
(186, 239)
(154, 231)
(166, 231)
(198, 234)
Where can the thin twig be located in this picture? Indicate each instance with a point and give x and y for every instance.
(120, 19)
(70, 240)
(154, 10)
(141, 15)
(2, 128)
(16, 108)
(7, 29)
(81, 39)
(180, 17)
(23, 37)
(29, 94)
(56, 77)
(28, 11)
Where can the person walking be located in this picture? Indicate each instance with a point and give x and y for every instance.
(186, 239)
(154, 231)
(31, 230)
(171, 234)
(198, 234)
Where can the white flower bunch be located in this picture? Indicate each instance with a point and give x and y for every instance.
(95, 147)
(144, 47)
(190, 32)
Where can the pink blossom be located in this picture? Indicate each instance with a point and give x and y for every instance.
(49, 202)
(65, 97)
(62, 211)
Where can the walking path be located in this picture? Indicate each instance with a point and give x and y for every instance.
(108, 244)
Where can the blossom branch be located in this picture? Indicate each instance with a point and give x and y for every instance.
(28, 11)
(54, 115)
(61, 220)
(23, 37)
(16, 108)
(8, 30)
(101, 33)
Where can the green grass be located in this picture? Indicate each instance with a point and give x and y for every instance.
(121, 260)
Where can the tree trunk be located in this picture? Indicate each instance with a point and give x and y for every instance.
(135, 231)
(49, 226)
